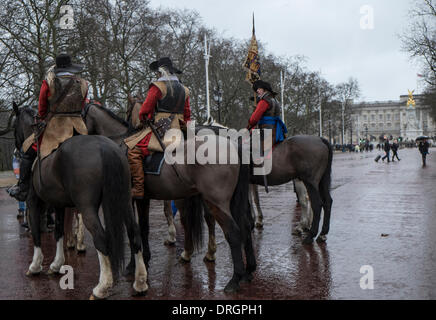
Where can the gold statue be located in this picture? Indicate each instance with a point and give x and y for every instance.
(411, 101)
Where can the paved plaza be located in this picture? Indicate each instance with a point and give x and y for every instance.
(383, 216)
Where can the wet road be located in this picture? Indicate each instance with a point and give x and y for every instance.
(370, 199)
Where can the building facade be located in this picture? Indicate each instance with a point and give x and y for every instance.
(370, 120)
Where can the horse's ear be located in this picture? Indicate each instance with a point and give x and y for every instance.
(130, 99)
(15, 106)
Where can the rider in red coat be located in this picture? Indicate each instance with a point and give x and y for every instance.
(62, 95)
(166, 96)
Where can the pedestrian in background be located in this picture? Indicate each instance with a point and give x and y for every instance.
(423, 148)
(395, 151)
(21, 204)
(387, 149)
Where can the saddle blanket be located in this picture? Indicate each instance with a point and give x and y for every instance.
(153, 163)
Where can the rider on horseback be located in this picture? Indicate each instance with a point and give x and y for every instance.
(61, 99)
(167, 101)
(267, 113)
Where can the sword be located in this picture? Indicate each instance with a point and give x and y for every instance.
(265, 182)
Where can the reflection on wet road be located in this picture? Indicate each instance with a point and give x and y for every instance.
(369, 199)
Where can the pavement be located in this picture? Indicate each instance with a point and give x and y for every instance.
(381, 245)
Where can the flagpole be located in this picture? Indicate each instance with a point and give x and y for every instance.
(282, 89)
(206, 60)
(319, 100)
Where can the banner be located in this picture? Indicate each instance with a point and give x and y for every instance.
(251, 63)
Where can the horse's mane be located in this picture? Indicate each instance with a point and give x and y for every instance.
(108, 111)
(29, 110)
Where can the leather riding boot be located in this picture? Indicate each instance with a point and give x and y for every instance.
(20, 190)
(135, 158)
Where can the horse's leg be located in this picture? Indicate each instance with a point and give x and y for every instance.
(93, 224)
(211, 245)
(59, 260)
(259, 218)
(68, 228)
(171, 240)
(140, 285)
(143, 207)
(232, 234)
(130, 268)
(315, 201)
(80, 235)
(250, 258)
(327, 206)
(36, 208)
(188, 243)
(306, 210)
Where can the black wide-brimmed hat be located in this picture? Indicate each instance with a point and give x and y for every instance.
(164, 62)
(63, 64)
(264, 85)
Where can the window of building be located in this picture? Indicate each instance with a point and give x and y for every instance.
(372, 117)
(380, 117)
(365, 117)
(372, 125)
(389, 125)
(397, 117)
(388, 116)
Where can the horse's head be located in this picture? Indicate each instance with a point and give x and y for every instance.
(24, 118)
(135, 103)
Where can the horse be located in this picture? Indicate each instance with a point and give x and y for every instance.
(308, 159)
(223, 188)
(85, 172)
(299, 187)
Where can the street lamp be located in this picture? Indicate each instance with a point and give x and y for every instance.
(343, 120)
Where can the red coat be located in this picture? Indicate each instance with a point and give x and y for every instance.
(43, 104)
(261, 107)
(154, 94)
(147, 110)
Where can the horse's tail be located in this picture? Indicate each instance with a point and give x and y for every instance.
(327, 176)
(193, 207)
(239, 204)
(115, 203)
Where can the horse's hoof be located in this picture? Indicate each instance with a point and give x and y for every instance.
(31, 274)
(52, 272)
(308, 240)
(169, 243)
(231, 287)
(208, 258)
(184, 260)
(259, 225)
(139, 294)
(246, 278)
(321, 239)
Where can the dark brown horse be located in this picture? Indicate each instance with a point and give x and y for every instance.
(85, 172)
(222, 187)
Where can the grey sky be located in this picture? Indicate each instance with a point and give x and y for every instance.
(327, 32)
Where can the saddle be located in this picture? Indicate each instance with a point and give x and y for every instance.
(152, 164)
